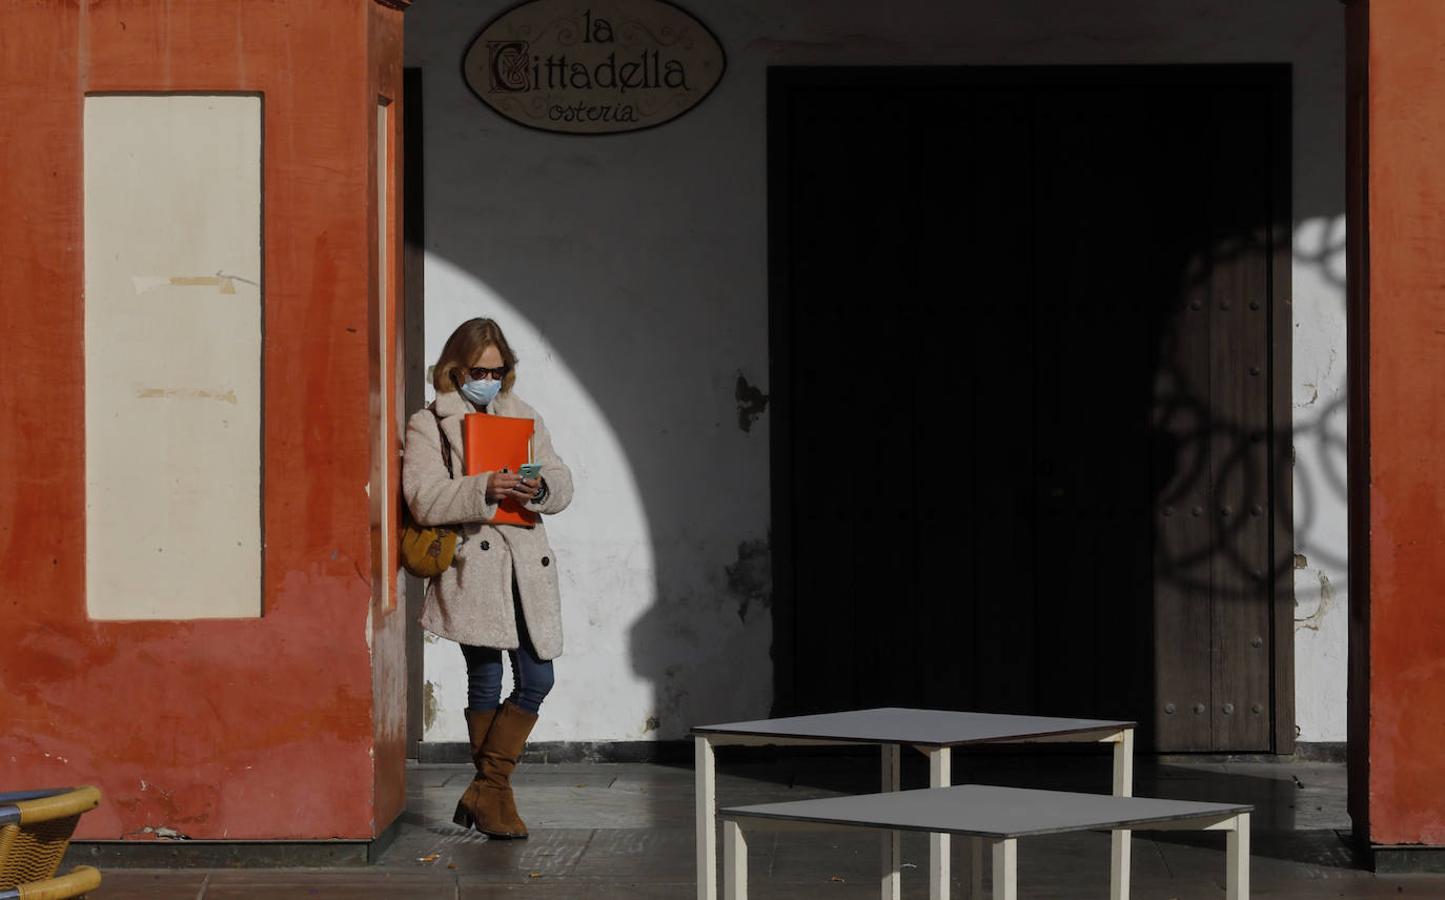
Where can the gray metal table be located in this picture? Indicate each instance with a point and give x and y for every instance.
(934, 733)
(998, 815)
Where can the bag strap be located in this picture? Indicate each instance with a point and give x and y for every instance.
(446, 442)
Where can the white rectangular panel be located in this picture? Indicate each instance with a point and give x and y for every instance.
(173, 356)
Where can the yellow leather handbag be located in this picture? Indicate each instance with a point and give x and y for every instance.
(429, 550)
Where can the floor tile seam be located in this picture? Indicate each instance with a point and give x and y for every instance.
(1159, 852)
(577, 860)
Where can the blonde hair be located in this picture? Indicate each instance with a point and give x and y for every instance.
(467, 343)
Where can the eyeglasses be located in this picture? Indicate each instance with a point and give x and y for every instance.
(480, 372)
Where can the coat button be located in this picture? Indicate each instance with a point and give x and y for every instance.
(546, 561)
(486, 546)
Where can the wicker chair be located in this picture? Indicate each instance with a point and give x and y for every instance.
(35, 829)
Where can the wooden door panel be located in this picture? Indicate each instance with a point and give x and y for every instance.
(988, 334)
(940, 383)
(1239, 460)
(845, 266)
(1180, 473)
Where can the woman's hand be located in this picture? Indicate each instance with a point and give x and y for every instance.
(526, 489)
(500, 485)
(506, 485)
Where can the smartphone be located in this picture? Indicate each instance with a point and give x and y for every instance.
(530, 471)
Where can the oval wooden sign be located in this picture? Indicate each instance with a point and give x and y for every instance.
(597, 67)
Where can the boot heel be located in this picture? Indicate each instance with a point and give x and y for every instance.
(463, 817)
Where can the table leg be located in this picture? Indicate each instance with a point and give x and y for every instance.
(1005, 869)
(975, 868)
(1237, 860)
(939, 775)
(735, 861)
(1120, 860)
(892, 885)
(705, 802)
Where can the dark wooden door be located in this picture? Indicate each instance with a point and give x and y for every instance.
(1022, 364)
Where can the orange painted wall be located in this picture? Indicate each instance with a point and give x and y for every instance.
(1399, 686)
(259, 728)
(385, 52)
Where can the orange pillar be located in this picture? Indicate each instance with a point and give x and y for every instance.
(1397, 471)
(286, 726)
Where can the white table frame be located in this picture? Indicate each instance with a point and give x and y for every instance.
(1004, 852)
(940, 763)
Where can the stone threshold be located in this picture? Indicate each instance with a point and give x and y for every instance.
(165, 853)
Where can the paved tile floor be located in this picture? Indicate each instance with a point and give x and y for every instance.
(626, 831)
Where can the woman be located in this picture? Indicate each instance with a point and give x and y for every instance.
(501, 591)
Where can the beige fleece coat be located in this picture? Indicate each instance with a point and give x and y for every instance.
(471, 602)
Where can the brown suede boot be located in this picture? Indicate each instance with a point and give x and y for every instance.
(492, 807)
(471, 808)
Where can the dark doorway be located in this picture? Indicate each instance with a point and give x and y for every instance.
(1030, 349)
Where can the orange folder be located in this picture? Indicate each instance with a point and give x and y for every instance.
(492, 443)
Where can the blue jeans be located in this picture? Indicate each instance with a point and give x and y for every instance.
(532, 678)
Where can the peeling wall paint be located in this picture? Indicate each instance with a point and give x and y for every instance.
(429, 706)
(1323, 603)
(750, 578)
(751, 403)
(631, 275)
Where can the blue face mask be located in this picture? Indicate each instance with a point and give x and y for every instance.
(481, 393)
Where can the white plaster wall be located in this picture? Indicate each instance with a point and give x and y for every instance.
(631, 271)
(1320, 418)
